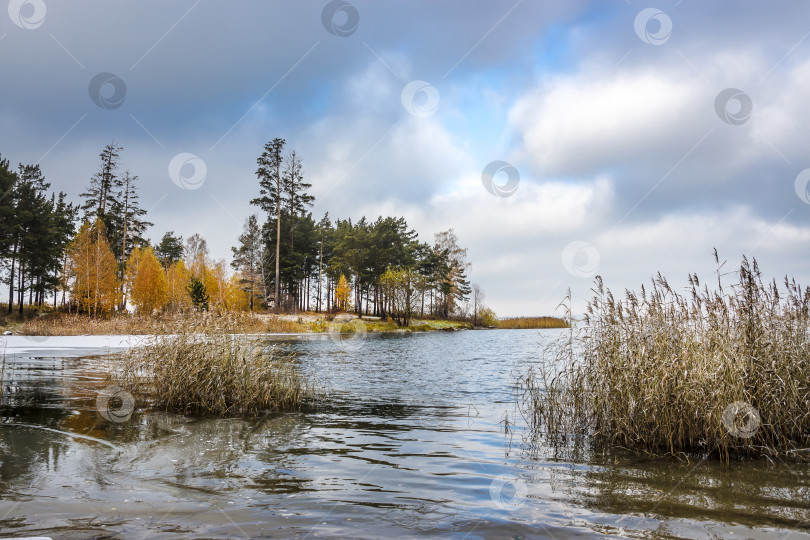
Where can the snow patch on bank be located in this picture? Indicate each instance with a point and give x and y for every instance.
(68, 346)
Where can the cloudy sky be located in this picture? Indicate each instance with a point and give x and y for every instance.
(559, 139)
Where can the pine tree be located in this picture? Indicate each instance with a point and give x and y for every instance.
(324, 232)
(296, 200)
(247, 259)
(30, 230)
(34, 232)
(102, 196)
(452, 272)
(269, 174)
(130, 225)
(198, 294)
(8, 183)
(131, 216)
(170, 249)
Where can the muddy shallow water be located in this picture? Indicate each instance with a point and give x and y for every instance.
(411, 443)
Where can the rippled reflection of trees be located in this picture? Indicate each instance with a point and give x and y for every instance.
(755, 493)
(25, 452)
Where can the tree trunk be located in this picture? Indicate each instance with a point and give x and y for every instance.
(278, 232)
(11, 279)
(21, 287)
(124, 245)
(320, 275)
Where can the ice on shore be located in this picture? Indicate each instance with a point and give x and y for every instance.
(67, 346)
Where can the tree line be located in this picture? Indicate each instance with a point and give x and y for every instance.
(35, 229)
(291, 262)
(95, 257)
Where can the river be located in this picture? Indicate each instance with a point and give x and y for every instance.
(410, 443)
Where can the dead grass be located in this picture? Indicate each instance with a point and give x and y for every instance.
(724, 372)
(214, 375)
(521, 323)
(62, 324)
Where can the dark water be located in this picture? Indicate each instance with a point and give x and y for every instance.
(410, 444)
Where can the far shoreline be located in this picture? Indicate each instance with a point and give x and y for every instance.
(49, 323)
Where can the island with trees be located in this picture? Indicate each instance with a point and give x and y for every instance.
(90, 268)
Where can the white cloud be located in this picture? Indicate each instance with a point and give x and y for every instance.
(574, 125)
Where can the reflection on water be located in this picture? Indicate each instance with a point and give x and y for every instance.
(409, 444)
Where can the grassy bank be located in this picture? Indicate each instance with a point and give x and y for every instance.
(721, 371)
(522, 323)
(64, 324)
(213, 374)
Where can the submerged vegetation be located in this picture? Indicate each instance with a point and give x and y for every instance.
(720, 372)
(214, 374)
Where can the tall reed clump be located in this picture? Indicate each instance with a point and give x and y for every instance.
(214, 374)
(721, 372)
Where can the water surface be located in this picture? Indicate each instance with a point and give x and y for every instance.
(411, 443)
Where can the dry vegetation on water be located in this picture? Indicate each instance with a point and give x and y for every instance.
(723, 372)
(521, 323)
(214, 374)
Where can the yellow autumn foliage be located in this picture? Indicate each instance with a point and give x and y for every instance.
(95, 287)
(150, 289)
(343, 292)
(178, 278)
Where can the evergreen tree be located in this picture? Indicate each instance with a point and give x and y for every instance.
(170, 249)
(270, 190)
(34, 232)
(452, 272)
(101, 197)
(130, 216)
(247, 259)
(198, 294)
(296, 200)
(8, 181)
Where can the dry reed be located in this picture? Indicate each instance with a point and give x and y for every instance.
(63, 324)
(214, 375)
(722, 372)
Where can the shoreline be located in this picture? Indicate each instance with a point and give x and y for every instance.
(52, 324)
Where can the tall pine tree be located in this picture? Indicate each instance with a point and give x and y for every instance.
(270, 190)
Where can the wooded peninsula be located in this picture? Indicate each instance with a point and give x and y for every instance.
(94, 258)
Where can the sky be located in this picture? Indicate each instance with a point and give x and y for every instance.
(559, 140)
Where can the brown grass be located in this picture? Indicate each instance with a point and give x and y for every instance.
(721, 372)
(62, 324)
(521, 323)
(214, 375)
